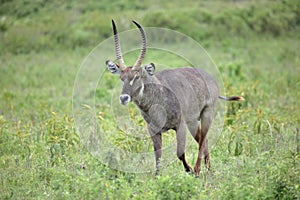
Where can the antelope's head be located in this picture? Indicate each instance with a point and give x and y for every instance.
(133, 77)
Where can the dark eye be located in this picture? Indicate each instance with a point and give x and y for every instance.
(122, 78)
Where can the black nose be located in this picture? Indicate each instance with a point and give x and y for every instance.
(124, 98)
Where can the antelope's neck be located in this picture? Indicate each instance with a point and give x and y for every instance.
(151, 93)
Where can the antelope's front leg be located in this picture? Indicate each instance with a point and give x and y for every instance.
(157, 143)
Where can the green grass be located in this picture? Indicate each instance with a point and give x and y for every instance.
(254, 45)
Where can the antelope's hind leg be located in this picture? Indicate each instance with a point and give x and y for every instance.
(200, 137)
(206, 155)
(195, 130)
(181, 141)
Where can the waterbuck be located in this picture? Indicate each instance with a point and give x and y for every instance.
(178, 99)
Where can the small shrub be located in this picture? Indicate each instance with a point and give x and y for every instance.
(178, 186)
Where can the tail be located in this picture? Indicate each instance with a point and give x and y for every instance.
(233, 98)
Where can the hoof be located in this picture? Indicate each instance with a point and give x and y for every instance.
(189, 170)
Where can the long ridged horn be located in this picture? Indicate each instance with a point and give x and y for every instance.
(144, 46)
(118, 47)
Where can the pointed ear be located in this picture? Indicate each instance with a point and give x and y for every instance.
(150, 68)
(112, 67)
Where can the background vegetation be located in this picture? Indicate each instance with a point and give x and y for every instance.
(254, 44)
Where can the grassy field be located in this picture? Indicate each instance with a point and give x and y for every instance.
(255, 46)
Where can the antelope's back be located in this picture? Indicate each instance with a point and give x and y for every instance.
(193, 87)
